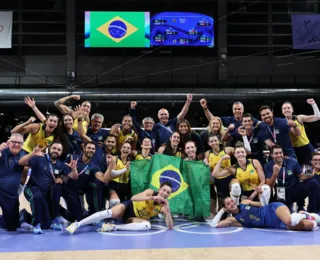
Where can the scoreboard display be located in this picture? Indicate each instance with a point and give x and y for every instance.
(181, 29)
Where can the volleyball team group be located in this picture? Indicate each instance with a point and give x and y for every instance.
(264, 172)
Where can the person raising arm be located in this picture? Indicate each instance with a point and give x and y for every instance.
(85, 107)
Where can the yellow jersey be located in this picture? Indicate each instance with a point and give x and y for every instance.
(248, 178)
(124, 178)
(302, 140)
(168, 151)
(122, 137)
(213, 159)
(39, 139)
(178, 154)
(84, 125)
(146, 209)
(139, 156)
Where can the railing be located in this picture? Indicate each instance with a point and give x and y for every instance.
(199, 130)
(96, 81)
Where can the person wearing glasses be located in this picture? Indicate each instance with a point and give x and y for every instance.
(40, 191)
(10, 175)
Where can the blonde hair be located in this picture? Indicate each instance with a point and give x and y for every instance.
(222, 128)
(87, 117)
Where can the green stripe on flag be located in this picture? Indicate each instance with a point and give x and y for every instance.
(198, 176)
(139, 175)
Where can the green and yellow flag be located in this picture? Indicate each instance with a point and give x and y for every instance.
(190, 182)
(117, 29)
(198, 177)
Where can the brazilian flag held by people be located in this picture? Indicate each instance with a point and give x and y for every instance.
(190, 182)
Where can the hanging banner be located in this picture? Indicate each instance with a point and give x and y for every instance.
(5, 30)
(306, 31)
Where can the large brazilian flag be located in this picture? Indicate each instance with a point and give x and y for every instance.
(190, 182)
(117, 29)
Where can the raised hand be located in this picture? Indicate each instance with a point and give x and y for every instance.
(189, 97)
(231, 127)
(133, 104)
(311, 101)
(3, 146)
(39, 150)
(242, 131)
(78, 113)
(75, 97)
(73, 163)
(115, 129)
(30, 102)
(203, 103)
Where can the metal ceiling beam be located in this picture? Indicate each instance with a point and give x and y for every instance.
(120, 94)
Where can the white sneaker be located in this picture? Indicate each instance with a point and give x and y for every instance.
(107, 227)
(73, 227)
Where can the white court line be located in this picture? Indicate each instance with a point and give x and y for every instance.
(179, 229)
(158, 229)
(280, 230)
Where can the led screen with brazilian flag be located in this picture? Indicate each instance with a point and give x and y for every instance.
(190, 182)
(117, 29)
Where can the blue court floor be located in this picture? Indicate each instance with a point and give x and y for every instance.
(186, 234)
